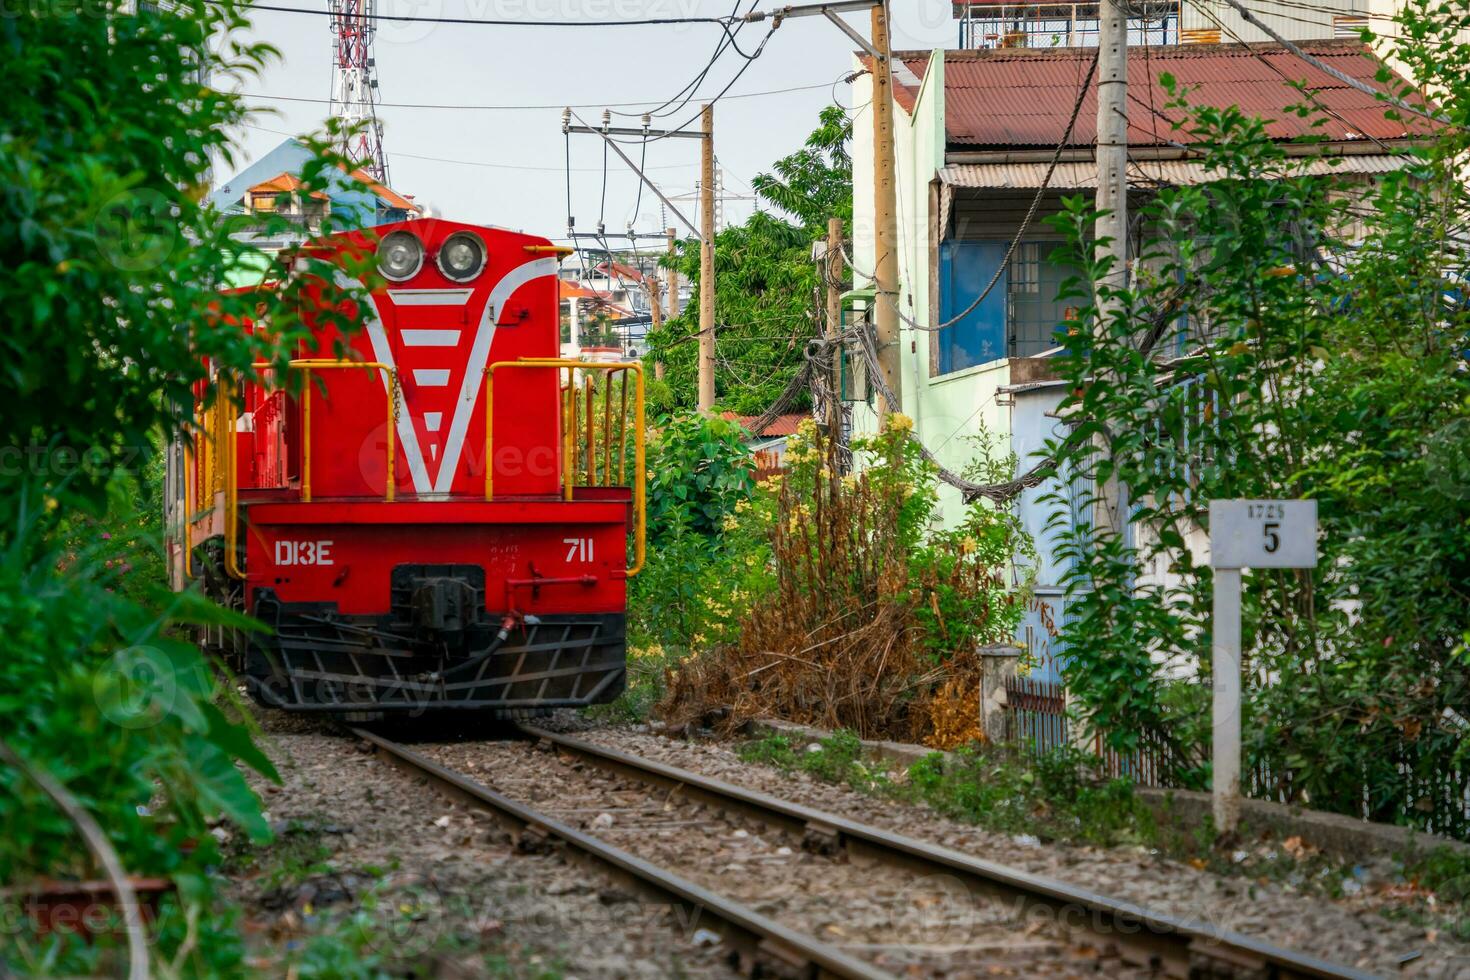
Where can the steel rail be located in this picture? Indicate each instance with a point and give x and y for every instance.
(1176, 946)
(757, 938)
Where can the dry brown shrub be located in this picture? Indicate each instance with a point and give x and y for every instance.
(846, 639)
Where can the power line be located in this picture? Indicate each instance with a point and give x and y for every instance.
(722, 22)
(1082, 90)
(1261, 57)
(667, 107)
(484, 163)
(1322, 66)
(534, 108)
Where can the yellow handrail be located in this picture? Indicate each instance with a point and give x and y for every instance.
(307, 365)
(569, 433)
(232, 488)
(188, 522)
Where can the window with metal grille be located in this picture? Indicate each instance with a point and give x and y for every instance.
(1035, 313)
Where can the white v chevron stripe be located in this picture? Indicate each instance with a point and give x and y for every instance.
(408, 437)
(474, 375)
(470, 387)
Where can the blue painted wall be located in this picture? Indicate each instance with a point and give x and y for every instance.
(965, 269)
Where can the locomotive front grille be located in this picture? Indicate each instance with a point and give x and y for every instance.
(318, 660)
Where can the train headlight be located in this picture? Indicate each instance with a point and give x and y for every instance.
(462, 256)
(400, 256)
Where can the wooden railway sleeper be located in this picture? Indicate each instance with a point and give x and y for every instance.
(1211, 961)
(821, 838)
(534, 838)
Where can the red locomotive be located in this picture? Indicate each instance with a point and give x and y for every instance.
(440, 514)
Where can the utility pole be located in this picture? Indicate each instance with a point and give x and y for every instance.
(655, 301)
(707, 264)
(885, 187)
(1112, 151)
(673, 288)
(834, 323)
(673, 278)
(1112, 203)
(885, 211)
(1111, 232)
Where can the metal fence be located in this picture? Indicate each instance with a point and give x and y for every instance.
(1036, 719)
(1434, 795)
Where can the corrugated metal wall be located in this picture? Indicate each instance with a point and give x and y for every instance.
(1296, 20)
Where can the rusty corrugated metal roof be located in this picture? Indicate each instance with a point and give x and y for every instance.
(905, 89)
(1010, 97)
(781, 425)
(1144, 173)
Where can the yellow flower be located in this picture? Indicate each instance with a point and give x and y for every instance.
(968, 545)
(899, 422)
(730, 523)
(849, 482)
(741, 506)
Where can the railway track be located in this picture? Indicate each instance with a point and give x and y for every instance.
(794, 891)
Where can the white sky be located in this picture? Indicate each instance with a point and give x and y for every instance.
(511, 169)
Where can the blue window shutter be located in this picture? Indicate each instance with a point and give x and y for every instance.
(965, 268)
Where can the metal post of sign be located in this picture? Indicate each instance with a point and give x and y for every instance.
(1226, 682)
(1245, 534)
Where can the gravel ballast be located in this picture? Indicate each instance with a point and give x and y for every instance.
(454, 897)
(906, 922)
(1351, 930)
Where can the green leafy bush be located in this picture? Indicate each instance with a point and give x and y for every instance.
(765, 278)
(855, 614)
(1316, 328)
(101, 695)
(113, 271)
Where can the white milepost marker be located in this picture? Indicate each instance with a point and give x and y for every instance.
(1245, 534)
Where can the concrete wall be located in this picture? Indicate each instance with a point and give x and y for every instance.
(1293, 22)
(946, 410)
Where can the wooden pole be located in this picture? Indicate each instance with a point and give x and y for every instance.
(885, 211)
(673, 278)
(834, 323)
(707, 264)
(673, 297)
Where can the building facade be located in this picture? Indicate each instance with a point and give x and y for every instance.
(975, 133)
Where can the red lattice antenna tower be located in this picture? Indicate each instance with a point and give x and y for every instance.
(355, 85)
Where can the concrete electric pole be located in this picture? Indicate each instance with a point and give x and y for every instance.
(707, 264)
(885, 212)
(1112, 151)
(706, 136)
(834, 322)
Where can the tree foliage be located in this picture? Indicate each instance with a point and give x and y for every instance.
(111, 270)
(767, 288)
(1324, 358)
